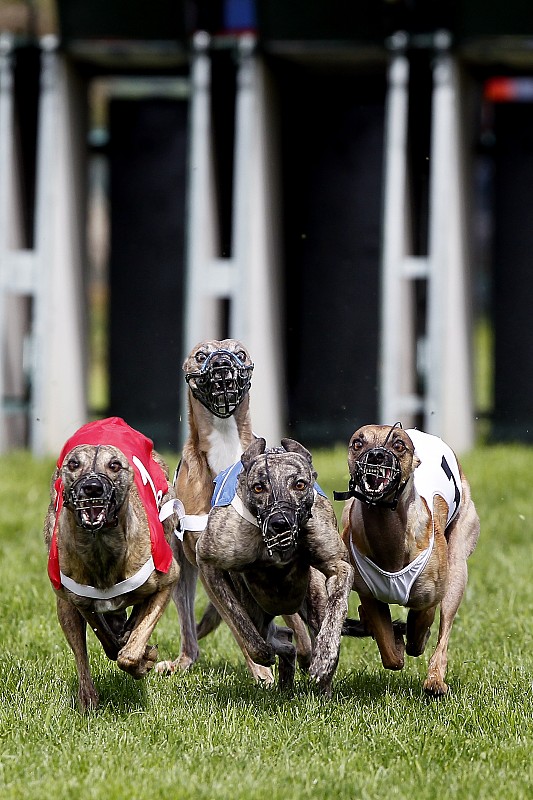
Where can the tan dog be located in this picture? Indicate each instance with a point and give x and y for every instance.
(269, 526)
(409, 525)
(218, 374)
(108, 549)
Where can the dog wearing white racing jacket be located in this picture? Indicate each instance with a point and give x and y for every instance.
(409, 524)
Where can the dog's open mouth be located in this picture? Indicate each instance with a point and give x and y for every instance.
(92, 498)
(377, 473)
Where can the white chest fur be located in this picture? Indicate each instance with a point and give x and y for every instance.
(225, 446)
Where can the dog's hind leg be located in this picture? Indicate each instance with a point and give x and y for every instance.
(104, 632)
(280, 639)
(74, 627)
(183, 594)
(304, 645)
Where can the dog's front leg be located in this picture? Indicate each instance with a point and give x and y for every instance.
(221, 591)
(136, 657)
(74, 627)
(327, 645)
(388, 639)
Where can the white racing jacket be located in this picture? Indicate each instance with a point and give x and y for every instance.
(437, 474)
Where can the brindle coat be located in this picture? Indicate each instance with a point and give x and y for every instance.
(212, 445)
(103, 559)
(392, 539)
(250, 586)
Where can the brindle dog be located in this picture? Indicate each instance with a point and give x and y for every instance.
(409, 524)
(218, 375)
(102, 559)
(256, 558)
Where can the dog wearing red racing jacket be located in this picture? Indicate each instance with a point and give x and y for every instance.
(108, 531)
(409, 524)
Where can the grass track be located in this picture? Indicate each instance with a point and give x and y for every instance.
(212, 734)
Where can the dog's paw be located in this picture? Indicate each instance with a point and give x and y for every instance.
(181, 664)
(138, 668)
(434, 686)
(263, 676)
(88, 698)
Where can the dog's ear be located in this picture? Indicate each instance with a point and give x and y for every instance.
(257, 447)
(292, 446)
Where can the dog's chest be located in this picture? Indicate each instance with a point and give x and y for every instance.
(224, 444)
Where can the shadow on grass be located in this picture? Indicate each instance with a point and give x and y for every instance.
(226, 683)
(119, 693)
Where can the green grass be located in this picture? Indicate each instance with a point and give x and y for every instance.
(212, 734)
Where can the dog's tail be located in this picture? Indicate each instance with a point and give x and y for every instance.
(357, 629)
(211, 619)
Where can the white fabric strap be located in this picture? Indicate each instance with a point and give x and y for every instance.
(123, 587)
(241, 509)
(194, 522)
(391, 587)
(187, 522)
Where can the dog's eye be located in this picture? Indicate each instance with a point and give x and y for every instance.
(200, 356)
(258, 488)
(241, 355)
(399, 446)
(356, 444)
(73, 464)
(300, 485)
(115, 465)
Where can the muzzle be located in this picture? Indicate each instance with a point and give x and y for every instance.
(377, 474)
(92, 498)
(279, 523)
(222, 382)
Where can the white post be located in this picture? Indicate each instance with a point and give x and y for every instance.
(59, 349)
(15, 270)
(397, 400)
(449, 402)
(256, 316)
(201, 307)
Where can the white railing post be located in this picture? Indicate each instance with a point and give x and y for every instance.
(58, 404)
(397, 398)
(257, 317)
(449, 401)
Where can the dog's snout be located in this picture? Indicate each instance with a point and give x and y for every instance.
(92, 487)
(279, 524)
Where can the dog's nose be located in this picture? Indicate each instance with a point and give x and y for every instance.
(92, 487)
(280, 524)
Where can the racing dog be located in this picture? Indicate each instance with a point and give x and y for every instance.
(218, 374)
(409, 524)
(257, 553)
(108, 546)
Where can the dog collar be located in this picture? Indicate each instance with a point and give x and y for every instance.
(353, 492)
(122, 587)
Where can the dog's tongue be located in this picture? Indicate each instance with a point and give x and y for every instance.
(378, 482)
(93, 517)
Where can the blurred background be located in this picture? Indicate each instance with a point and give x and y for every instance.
(345, 185)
